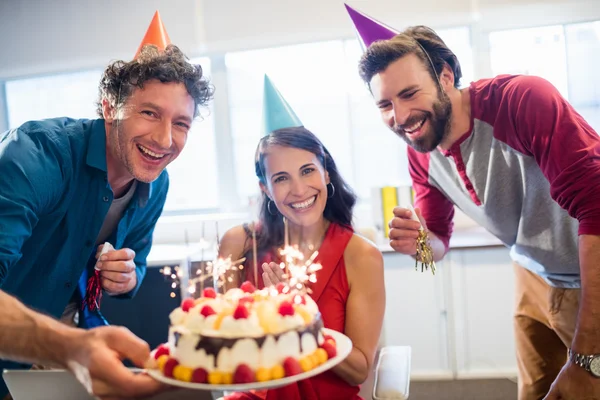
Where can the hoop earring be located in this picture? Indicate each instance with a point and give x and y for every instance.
(332, 190)
(269, 208)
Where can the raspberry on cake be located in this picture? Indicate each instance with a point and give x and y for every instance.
(248, 287)
(207, 311)
(245, 335)
(161, 350)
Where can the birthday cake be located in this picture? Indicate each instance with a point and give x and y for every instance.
(243, 336)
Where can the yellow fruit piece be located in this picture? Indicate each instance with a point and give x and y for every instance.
(258, 296)
(321, 355)
(263, 374)
(215, 378)
(201, 300)
(314, 358)
(227, 378)
(277, 372)
(182, 373)
(266, 319)
(306, 364)
(262, 320)
(220, 317)
(303, 313)
(161, 361)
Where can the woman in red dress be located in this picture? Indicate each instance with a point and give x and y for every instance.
(300, 182)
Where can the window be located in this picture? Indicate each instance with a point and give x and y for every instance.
(459, 41)
(564, 55)
(193, 175)
(583, 55)
(321, 83)
(379, 155)
(73, 95)
(310, 77)
(533, 51)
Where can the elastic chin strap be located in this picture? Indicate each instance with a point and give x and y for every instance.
(437, 78)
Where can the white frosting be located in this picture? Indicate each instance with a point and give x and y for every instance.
(288, 322)
(198, 323)
(177, 316)
(234, 294)
(193, 319)
(244, 351)
(309, 344)
(288, 345)
(270, 356)
(311, 306)
(224, 360)
(243, 327)
(213, 303)
(187, 355)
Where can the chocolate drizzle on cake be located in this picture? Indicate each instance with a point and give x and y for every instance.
(176, 336)
(260, 341)
(313, 329)
(212, 345)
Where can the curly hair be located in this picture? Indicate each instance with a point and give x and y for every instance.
(120, 78)
(419, 40)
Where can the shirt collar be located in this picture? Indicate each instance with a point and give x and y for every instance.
(96, 151)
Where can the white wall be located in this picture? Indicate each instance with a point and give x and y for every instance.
(43, 36)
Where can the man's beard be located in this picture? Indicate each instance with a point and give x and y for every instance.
(439, 125)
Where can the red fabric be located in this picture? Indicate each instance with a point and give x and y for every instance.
(531, 116)
(330, 292)
(435, 207)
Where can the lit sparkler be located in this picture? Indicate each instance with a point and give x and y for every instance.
(217, 270)
(299, 272)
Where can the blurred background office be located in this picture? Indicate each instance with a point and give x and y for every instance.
(458, 323)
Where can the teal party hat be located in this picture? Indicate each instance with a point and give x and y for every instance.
(277, 113)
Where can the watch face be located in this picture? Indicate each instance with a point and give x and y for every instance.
(595, 366)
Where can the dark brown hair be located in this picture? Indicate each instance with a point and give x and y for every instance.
(419, 40)
(120, 78)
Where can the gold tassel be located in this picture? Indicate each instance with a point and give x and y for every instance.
(424, 253)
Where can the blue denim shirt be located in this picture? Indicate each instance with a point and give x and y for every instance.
(54, 196)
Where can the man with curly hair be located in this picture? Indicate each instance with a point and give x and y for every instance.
(66, 187)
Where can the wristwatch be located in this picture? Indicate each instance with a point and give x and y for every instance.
(591, 363)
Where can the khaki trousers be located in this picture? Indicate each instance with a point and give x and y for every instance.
(544, 325)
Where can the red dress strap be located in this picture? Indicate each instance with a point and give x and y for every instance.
(330, 253)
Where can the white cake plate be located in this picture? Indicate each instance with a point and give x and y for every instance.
(343, 344)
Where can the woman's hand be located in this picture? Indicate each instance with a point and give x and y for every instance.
(273, 274)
